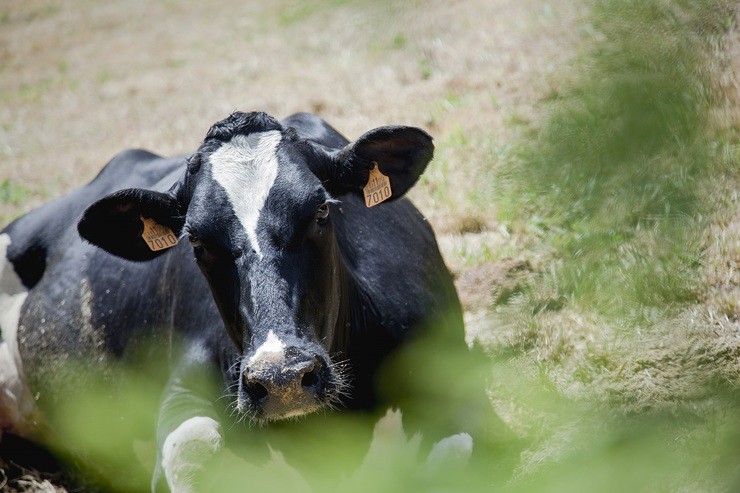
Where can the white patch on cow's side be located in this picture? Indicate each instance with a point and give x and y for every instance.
(9, 281)
(246, 168)
(15, 399)
(272, 348)
(186, 449)
(90, 335)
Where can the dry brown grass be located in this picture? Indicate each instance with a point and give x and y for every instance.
(83, 80)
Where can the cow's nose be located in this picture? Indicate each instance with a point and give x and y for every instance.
(282, 381)
(310, 377)
(255, 389)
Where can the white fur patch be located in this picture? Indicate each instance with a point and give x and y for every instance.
(15, 399)
(272, 348)
(186, 448)
(246, 168)
(9, 281)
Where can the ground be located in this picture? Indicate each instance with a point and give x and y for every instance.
(83, 80)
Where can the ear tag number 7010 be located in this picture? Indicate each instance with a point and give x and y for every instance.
(378, 188)
(157, 236)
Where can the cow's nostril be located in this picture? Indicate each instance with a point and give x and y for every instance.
(255, 390)
(310, 378)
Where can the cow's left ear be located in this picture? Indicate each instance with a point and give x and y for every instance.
(400, 153)
(117, 222)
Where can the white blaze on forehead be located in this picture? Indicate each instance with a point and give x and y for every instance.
(273, 347)
(246, 167)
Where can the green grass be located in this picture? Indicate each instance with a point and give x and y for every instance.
(611, 180)
(615, 189)
(293, 12)
(13, 194)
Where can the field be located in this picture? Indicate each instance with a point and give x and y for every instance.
(584, 188)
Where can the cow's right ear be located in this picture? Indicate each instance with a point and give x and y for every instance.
(400, 154)
(115, 223)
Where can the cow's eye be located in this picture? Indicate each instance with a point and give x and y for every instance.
(195, 241)
(322, 213)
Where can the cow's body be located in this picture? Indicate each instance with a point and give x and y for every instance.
(65, 299)
(82, 303)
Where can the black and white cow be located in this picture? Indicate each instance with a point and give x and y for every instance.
(313, 287)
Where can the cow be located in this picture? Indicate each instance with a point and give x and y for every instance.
(279, 256)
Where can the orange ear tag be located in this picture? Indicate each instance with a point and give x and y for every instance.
(157, 236)
(378, 188)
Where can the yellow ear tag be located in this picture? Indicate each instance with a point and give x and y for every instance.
(157, 236)
(378, 188)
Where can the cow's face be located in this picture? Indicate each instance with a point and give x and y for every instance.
(258, 220)
(256, 204)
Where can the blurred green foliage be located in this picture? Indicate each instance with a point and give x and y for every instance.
(104, 431)
(613, 178)
(104, 425)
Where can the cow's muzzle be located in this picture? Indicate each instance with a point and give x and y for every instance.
(283, 388)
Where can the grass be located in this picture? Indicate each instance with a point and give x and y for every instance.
(294, 11)
(571, 444)
(612, 177)
(620, 184)
(13, 194)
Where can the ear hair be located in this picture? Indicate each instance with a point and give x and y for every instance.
(322, 162)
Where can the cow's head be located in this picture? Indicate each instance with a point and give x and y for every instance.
(256, 203)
